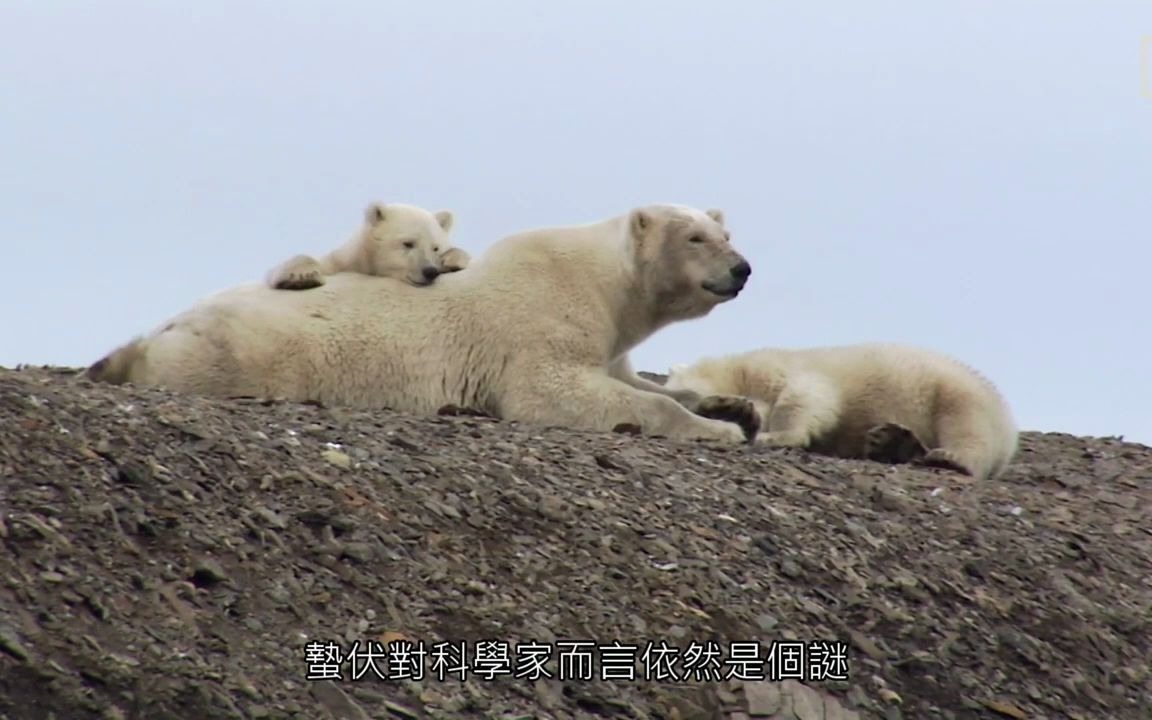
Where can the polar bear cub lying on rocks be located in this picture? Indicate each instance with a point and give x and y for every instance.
(399, 241)
(885, 402)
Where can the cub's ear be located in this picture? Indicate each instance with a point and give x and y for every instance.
(717, 215)
(374, 213)
(445, 219)
(640, 222)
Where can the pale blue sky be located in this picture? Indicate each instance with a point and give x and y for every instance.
(974, 177)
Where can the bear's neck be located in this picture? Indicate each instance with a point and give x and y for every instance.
(634, 315)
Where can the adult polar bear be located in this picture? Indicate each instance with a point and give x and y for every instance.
(537, 330)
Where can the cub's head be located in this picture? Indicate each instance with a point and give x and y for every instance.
(691, 377)
(406, 242)
(684, 260)
(717, 375)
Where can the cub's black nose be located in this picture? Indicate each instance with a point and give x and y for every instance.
(431, 273)
(741, 271)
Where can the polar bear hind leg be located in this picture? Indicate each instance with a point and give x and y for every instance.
(965, 439)
(893, 444)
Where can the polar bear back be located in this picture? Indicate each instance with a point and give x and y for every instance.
(255, 337)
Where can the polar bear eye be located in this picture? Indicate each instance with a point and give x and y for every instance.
(409, 244)
(696, 239)
(436, 249)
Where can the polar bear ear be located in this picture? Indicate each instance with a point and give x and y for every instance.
(717, 215)
(677, 369)
(445, 218)
(640, 221)
(374, 213)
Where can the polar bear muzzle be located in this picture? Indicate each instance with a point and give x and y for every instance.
(730, 287)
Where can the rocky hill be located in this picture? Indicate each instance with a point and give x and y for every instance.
(171, 557)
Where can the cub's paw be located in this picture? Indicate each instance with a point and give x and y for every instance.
(299, 280)
(454, 260)
(731, 409)
(893, 444)
(941, 458)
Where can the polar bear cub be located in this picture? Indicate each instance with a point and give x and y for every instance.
(400, 241)
(886, 402)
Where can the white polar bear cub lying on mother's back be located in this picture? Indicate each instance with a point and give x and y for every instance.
(399, 241)
(537, 330)
(885, 402)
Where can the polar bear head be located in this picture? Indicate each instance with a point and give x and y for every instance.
(405, 241)
(683, 259)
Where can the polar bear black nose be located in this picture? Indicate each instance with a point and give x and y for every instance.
(741, 271)
(430, 273)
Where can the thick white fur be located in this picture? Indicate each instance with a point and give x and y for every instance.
(537, 330)
(828, 398)
(399, 241)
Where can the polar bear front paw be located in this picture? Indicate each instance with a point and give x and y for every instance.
(299, 280)
(302, 272)
(893, 444)
(454, 260)
(731, 409)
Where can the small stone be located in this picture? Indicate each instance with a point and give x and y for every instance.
(763, 698)
(133, 473)
(208, 572)
(337, 702)
(358, 551)
(404, 443)
(607, 462)
(271, 518)
(790, 570)
(112, 713)
(337, 458)
(11, 644)
(442, 508)
(551, 507)
(889, 499)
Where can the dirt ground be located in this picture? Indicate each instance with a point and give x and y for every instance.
(170, 557)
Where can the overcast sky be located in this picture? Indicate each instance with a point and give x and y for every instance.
(974, 177)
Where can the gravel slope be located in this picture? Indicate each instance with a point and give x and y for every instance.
(175, 557)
